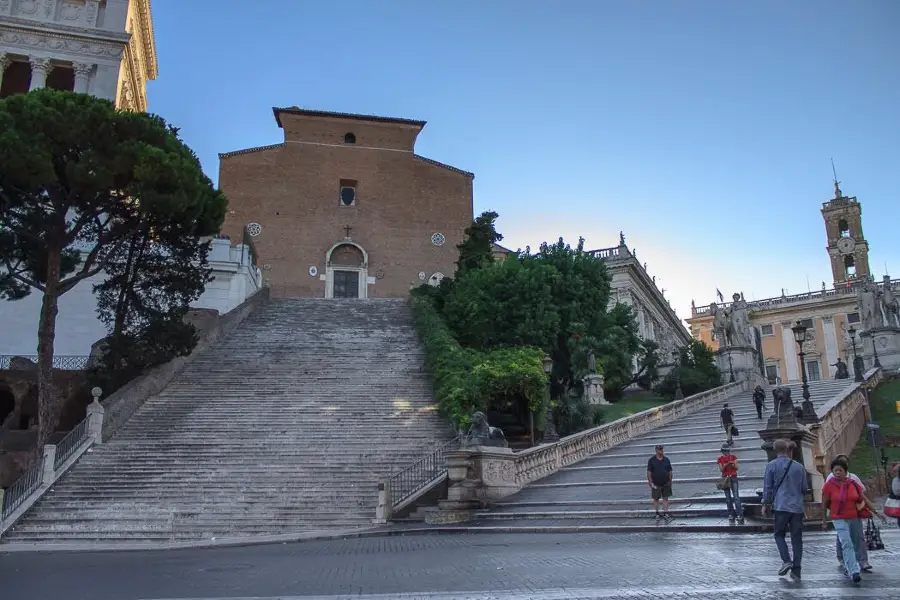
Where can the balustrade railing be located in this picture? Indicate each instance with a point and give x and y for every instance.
(841, 413)
(541, 461)
(405, 483)
(65, 363)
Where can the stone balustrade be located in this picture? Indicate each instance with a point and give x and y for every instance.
(481, 475)
(843, 420)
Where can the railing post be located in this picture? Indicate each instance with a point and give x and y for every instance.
(95, 414)
(47, 470)
(384, 510)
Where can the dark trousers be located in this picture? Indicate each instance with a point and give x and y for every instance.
(789, 522)
(759, 408)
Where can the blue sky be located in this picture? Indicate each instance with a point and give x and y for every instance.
(703, 129)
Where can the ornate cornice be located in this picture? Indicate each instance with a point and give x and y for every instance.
(58, 39)
(58, 29)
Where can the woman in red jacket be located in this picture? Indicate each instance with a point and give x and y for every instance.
(844, 501)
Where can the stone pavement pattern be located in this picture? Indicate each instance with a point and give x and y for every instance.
(473, 567)
(610, 488)
(285, 425)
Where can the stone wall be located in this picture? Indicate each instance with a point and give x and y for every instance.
(121, 405)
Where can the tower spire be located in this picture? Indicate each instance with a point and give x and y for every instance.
(837, 184)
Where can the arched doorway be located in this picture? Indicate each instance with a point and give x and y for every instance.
(346, 271)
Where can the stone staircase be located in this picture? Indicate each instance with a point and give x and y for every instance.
(284, 426)
(610, 489)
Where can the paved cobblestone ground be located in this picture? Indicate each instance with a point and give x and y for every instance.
(456, 567)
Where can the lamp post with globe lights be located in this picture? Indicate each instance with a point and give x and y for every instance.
(809, 411)
(676, 362)
(858, 366)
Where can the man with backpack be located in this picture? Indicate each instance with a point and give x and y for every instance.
(784, 492)
(759, 399)
(728, 423)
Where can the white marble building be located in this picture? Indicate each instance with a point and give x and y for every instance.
(632, 285)
(101, 47)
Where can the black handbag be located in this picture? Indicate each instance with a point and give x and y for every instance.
(873, 536)
(734, 431)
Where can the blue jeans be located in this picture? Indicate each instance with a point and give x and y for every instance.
(733, 498)
(859, 543)
(845, 536)
(793, 522)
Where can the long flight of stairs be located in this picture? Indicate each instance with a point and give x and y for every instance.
(610, 488)
(284, 426)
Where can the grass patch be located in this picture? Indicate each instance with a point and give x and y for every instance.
(884, 412)
(630, 406)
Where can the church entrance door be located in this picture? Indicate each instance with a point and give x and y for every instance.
(346, 284)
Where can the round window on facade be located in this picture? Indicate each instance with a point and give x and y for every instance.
(254, 229)
(438, 239)
(348, 196)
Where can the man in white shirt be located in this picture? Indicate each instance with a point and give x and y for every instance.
(862, 552)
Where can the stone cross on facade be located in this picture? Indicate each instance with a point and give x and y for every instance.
(347, 230)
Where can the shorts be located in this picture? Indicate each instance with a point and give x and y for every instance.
(662, 491)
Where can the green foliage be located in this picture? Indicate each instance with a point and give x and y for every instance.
(78, 180)
(631, 405)
(572, 414)
(698, 371)
(884, 412)
(467, 380)
(555, 300)
(475, 251)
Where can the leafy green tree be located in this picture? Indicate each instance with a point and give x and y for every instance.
(698, 371)
(78, 180)
(147, 292)
(648, 365)
(475, 251)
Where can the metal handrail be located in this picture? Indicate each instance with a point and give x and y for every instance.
(65, 363)
(406, 482)
(70, 444)
(22, 489)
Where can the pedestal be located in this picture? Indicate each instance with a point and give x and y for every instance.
(744, 363)
(887, 341)
(593, 389)
(477, 476)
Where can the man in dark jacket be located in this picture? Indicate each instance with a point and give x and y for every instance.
(728, 424)
(759, 399)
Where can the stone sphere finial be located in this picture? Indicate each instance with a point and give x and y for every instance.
(96, 392)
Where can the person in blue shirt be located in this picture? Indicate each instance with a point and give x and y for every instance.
(784, 493)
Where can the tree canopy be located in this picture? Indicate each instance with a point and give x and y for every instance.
(78, 181)
(696, 368)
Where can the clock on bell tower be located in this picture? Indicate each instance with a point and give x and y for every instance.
(847, 247)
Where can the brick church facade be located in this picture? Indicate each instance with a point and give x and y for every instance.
(345, 208)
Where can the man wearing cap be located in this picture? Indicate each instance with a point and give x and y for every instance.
(659, 476)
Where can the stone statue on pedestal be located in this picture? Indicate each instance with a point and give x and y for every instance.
(592, 362)
(869, 310)
(739, 322)
(890, 304)
(842, 372)
(482, 434)
(720, 324)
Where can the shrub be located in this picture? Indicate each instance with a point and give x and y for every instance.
(467, 380)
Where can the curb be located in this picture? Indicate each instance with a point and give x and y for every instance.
(38, 548)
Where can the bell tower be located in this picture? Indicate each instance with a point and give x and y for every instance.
(847, 246)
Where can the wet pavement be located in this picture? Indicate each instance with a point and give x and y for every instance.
(707, 566)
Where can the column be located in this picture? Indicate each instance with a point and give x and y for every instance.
(40, 68)
(791, 360)
(82, 76)
(831, 346)
(5, 61)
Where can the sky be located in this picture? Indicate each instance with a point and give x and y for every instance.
(704, 130)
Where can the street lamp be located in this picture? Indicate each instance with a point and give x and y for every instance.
(809, 411)
(550, 434)
(876, 363)
(730, 368)
(676, 362)
(858, 367)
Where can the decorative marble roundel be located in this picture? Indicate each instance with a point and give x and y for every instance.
(313, 271)
(422, 275)
(254, 229)
(438, 239)
(435, 280)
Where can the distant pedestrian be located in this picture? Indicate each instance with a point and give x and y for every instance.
(659, 476)
(856, 528)
(728, 467)
(843, 501)
(759, 399)
(728, 424)
(784, 490)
